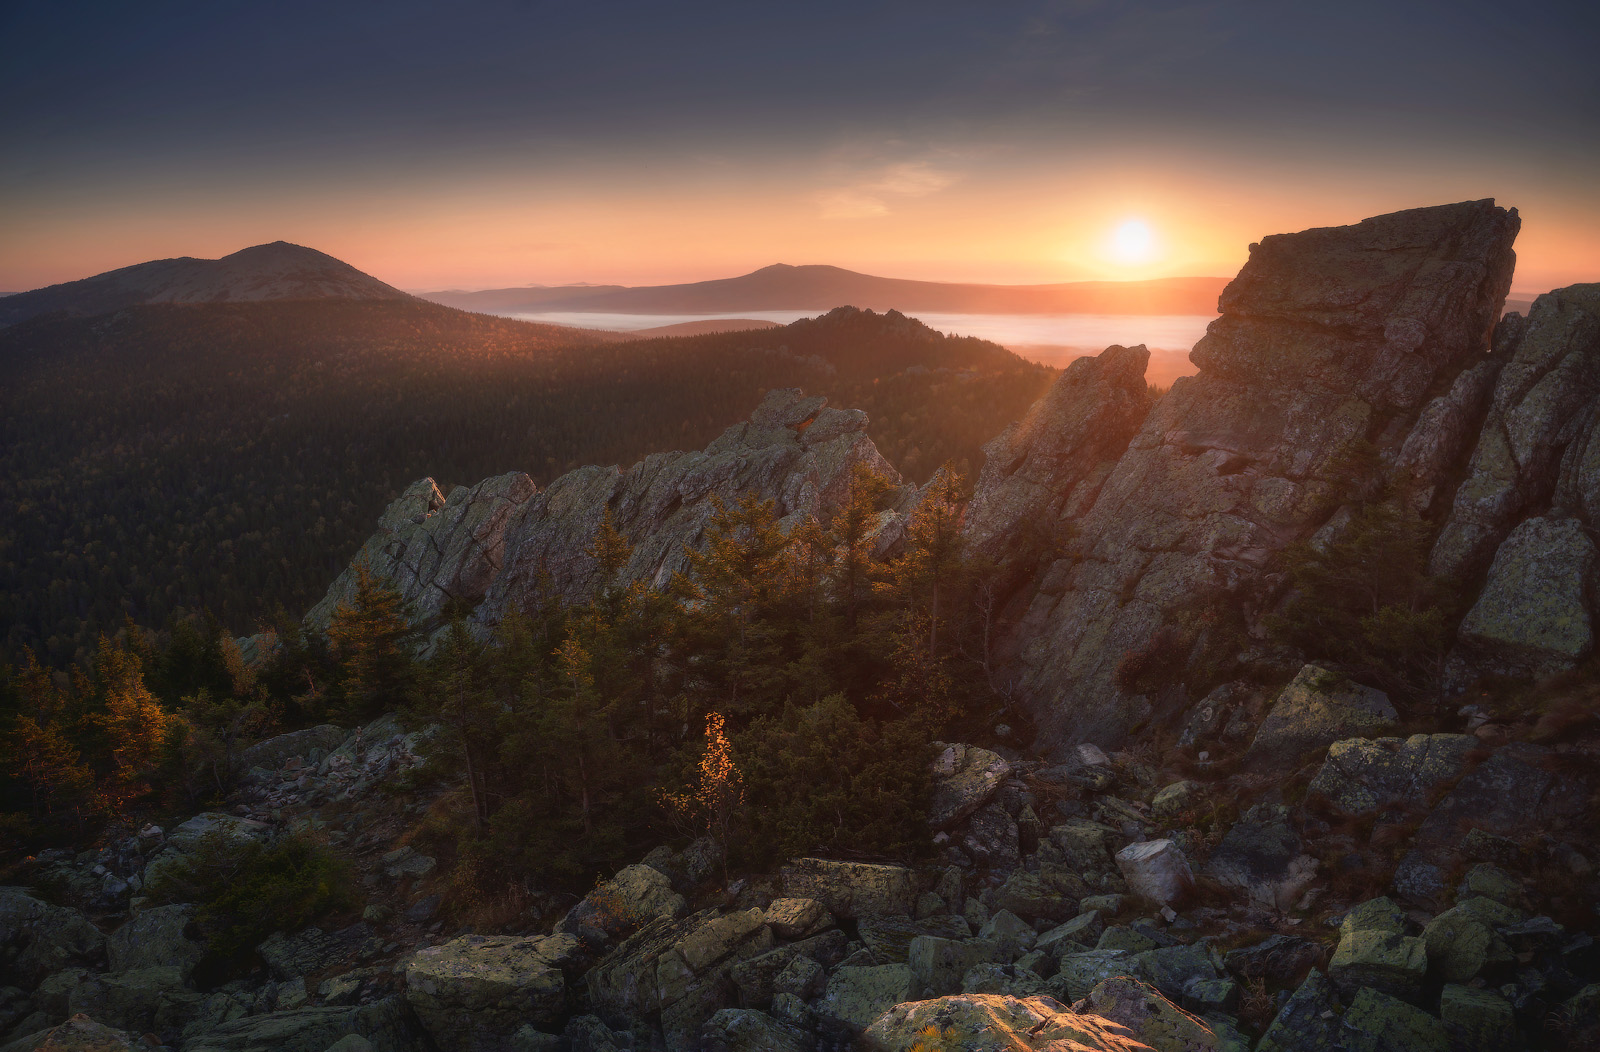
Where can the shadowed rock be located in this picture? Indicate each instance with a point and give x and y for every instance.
(1331, 341)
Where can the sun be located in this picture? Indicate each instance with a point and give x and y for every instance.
(1133, 242)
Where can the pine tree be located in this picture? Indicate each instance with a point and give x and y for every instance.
(369, 636)
(133, 721)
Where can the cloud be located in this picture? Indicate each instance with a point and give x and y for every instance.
(870, 196)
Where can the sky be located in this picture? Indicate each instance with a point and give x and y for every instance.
(491, 144)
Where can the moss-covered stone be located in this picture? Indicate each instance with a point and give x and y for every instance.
(1376, 1022)
(1477, 1020)
(480, 987)
(1394, 964)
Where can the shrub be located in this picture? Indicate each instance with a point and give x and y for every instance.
(246, 890)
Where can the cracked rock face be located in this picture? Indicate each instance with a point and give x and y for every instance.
(503, 543)
(1538, 439)
(793, 450)
(434, 549)
(1329, 340)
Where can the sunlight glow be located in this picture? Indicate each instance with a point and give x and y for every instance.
(1133, 242)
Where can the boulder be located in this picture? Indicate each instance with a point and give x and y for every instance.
(1279, 960)
(757, 977)
(796, 918)
(1377, 1022)
(313, 743)
(1156, 870)
(1308, 1020)
(387, 1024)
(856, 996)
(994, 1023)
(1477, 1020)
(1175, 970)
(851, 889)
(154, 938)
(1329, 339)
(1380, 960)
(1173, 800)
(636, 896)
(1315, 710)
(1151, 1018)
(991, 838)
(1082, 930)
(78, 1034)
(313, 950)
(1362, 775)
(746, 1030)
(134, 1000)
(1462, 940)
(37, 938)
(1009, 935)
(938, 964)
(1532, 617)
(190, 834)
(964, 778)
(1261, 855)
(1082, 972)
(802, 977)
(473, 992)
(1051, 894)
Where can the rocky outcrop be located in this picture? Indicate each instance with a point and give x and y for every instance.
(473, 993)
(1362, 775)
(1317, 708)
(1046, 470)
(1538, 436)
(434, 549)
(1532, 617)
(1331, 341)
(503, 543)
(794, 451)
(995, 1023)
(38, 938)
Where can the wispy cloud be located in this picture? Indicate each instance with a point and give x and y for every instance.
(872, 195)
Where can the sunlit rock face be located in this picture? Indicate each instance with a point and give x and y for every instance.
(504, 543)
(1329, 339)
(794, 451)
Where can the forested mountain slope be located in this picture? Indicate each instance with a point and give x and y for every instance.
(231, 456)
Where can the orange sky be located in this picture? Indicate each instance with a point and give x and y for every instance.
(943, 216)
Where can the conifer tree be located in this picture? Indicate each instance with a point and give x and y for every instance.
(369, 636)
(133, 721)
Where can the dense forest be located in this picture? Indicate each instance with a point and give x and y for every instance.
(229, 458)
(782, 698)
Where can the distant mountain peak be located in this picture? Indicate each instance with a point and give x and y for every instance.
(277, 270)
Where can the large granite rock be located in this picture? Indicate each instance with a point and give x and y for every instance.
(1317, 708)
(387, 1024)
(793, 450)
(474, 992)
(747, 1030)
(1362, 775)
(851, 889)
(964, 778)
(1532, 617)
(637, 895)
(155, 938)
(1537, 437)
(1330, 341)
(433, 549)
(995, 1023)
(1047, 468)
(1151, 1018)
(38, 938)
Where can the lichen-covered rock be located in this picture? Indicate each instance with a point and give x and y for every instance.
(795, 918)
(1151, 1018)
(757, 977)
(637, 895)
(1281, 960)
(1377, 1022)
(1329, 339)
(1477, 1020)
(1396, 964)
(1308, 1020)
(938, 964)
(1316, 709)
(994, 1023)
(1082, 972)
(474, 992)
(1362, 775)
(1051, 894)
(312, 950)
(434, 549)
(1532, 617)
(747, 1030)
(1543, 399)
(1173, 800)
(964, 778)
(387, 1024)
(312, 742)
(155, 938)
(856, 996)
(851, 889)
(1462, 940)
(133, 1000)
(1048, 467)
(37, 938)
(1261, 855)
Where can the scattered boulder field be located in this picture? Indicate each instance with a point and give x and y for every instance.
(1279, 858)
